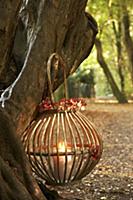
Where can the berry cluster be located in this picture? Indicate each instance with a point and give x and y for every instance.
(62, 105)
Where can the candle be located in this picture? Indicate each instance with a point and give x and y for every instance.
(61, 161)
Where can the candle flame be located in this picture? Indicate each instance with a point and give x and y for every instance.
(61, 147)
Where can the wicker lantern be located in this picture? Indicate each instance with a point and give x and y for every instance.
(62, 144)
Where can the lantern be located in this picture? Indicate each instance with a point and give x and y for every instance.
(62, 144)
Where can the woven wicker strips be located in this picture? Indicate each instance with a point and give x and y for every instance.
(62, 146)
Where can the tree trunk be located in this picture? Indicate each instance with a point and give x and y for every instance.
(127, 38)
(117, 93)
(30, 31)
(118, 37)
(15, 176)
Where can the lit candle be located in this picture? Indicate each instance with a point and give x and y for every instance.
(60, 162)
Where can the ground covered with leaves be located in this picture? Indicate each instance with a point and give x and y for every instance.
(112, 178)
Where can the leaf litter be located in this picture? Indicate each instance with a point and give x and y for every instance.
(112, 178)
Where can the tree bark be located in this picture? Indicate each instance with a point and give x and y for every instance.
(118, 37)
(127, 38)
(117, 93)
(29, 34)
(65, 29)
(8, 23)
(15, 175)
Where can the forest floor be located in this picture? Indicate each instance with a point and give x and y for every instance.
(112, 178)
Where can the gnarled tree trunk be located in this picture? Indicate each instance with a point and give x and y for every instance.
(30, 31)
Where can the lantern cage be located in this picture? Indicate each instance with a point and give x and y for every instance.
(62, 146)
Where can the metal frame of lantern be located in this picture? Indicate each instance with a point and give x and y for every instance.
(62, 144)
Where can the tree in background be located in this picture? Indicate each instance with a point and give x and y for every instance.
(114, 31)
(115, 18)
(116, 91)
(128, 40)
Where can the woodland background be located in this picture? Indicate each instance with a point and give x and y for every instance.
(108, 71)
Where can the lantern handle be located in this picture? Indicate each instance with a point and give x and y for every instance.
(63, 65)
